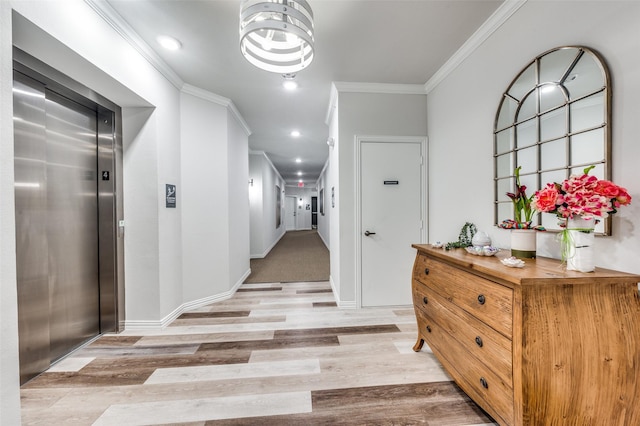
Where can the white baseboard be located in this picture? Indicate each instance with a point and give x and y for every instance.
(266, 252)
(336, 295)
(141, 325)
(325, 243)
(347, 304)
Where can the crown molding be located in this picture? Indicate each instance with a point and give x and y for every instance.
(495, 21)
(111, 17)
(394, 89)
(217, 99)
(264, 154)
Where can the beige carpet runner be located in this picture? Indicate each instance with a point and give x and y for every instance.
(298, 256)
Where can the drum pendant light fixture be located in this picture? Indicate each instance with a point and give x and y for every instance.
(277, 35)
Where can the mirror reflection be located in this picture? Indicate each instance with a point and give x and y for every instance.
(553, 121)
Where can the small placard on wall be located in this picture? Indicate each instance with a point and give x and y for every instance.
(170, 193)
(391, 182)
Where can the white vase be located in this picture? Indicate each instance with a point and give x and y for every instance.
(577, 245)
(523, 243)
(481, 239)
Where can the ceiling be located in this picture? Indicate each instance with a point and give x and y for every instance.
(357, 41)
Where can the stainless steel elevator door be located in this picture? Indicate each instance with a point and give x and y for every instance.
(31, 227)
(56, 224)
(72, 223)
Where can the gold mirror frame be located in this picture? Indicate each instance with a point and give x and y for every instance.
(553, 121)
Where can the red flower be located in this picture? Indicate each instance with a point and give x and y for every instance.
(623, 198)
(522, 211)
(547, 199)
(617, 194)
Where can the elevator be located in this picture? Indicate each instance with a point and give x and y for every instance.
(67, 171)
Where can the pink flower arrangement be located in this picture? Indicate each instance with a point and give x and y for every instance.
(582, 195)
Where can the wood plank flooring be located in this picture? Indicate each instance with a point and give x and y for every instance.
(274, 354)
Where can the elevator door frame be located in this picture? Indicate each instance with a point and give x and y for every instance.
(109, 188)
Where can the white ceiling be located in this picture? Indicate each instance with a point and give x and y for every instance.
(363, 41)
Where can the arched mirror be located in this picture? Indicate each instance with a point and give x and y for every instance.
(553, 121)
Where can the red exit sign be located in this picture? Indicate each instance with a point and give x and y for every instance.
(300, 184)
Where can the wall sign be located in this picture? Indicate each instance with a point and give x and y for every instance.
(170, 193)
(391, 182)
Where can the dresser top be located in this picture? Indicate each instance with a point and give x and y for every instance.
(536, 271)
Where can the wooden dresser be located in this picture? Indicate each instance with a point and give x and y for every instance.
(537, 345)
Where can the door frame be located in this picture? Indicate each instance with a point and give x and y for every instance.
(110, 192)
(359, 140)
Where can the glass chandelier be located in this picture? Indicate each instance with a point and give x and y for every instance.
(277, 35)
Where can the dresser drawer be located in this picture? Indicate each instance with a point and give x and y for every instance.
(425, 327)
(474, 377)
(483, 342)
(488, 301)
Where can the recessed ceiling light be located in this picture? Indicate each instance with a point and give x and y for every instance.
(169, 43)
(289, 82)
(298, 160)
(299, 173)
(290, 85)
(295, 133)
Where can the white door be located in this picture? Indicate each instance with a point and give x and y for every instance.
(290, 213)
(391, 220)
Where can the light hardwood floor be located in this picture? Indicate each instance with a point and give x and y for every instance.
(274, 354)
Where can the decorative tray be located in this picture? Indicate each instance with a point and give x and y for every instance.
(482, 251)
(513, 262)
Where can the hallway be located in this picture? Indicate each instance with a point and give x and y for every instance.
(275, 353)
(298, 256)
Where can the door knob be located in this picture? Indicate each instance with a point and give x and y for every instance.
(367, 233)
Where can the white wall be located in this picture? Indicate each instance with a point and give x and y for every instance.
(324, 221)
(256, 206)
(371, 114)
(303, 216)
(215, 196)
(461, 112)
(202, 197)
(142, 269)
(262, 198)
(332, 177)
(238, 200)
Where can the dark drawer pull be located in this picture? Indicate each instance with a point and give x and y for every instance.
(479, 341)
(425, 300)
(481, 299)
(429, 329)
(484, 383)
(426, 271)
